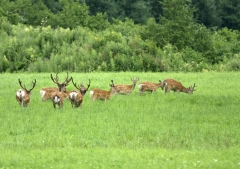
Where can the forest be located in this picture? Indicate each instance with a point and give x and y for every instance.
(112, 35)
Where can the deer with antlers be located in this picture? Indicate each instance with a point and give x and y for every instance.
(176, 86)
(59, 96)
(76, 97)
(47, 92)
(126, 89)
(102, 94)
(23, 95)
(149, 86)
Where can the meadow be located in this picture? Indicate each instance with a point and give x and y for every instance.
(174, 130)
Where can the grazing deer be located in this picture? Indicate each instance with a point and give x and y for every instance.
(23, 95)
(102, 94)
(149, 86)
(171, 84)
(47, 92)
(76, 97)
(126, 89)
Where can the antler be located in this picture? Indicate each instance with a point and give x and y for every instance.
(56, 79)
(67, 80)
(194, 85)
(20, 83)
(112, 85)
(75, 84)
(88, 84)
(33, 82)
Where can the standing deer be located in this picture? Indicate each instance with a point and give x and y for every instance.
(102, 94)
(149, 86)
(47, 92)
(126, 89)
(23, 95)
(76, 97)
(59, 96)
(171, 84)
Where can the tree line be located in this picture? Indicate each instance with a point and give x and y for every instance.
(212, 13)
(110, 35)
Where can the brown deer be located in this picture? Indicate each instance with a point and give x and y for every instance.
(59, 96)
(102, 94)
(23, 95)
(76, 97)
(149, 86)
(171, 84)
(126, 89)
(47, 92)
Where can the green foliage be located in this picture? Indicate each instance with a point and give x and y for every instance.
(177, 43)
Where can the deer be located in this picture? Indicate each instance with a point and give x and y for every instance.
(149, 86)
(23, 95)
(76, 97)
(48, 91)
(126, 89)
(103, 94)
(176, 86)
(61, 94)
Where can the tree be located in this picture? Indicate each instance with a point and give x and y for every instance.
(177, 23)
(229, 12)
(207, 13)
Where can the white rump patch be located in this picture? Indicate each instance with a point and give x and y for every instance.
(42, 93)
(20, 93)
(73, 94)
(140, 86)
(56, 99)
(91, 92)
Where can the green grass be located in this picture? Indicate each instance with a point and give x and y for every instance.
(150, 131)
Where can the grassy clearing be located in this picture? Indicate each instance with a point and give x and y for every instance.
(149, 131)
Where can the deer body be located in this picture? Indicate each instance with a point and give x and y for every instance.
(47, 92)
(126, 89)
(23, 95)
(58, 98)
(102, 94)
(176, 86)
(76, 97)
(149, 86)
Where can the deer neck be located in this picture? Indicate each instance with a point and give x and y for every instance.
(111, 92)
(185, 90)
(133, 86)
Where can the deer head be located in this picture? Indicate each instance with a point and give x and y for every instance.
(81, 87)
(61, 86)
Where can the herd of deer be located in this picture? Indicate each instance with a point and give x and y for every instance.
(58, 95)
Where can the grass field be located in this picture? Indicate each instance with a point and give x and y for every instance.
(150, 131)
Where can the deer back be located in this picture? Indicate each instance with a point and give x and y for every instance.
(103, 94)
(150, 86)
(126, 89)
(76, 98)
(58, 98)
(47, 92)
(176, 86)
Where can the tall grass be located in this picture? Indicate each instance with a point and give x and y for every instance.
(150, 131)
